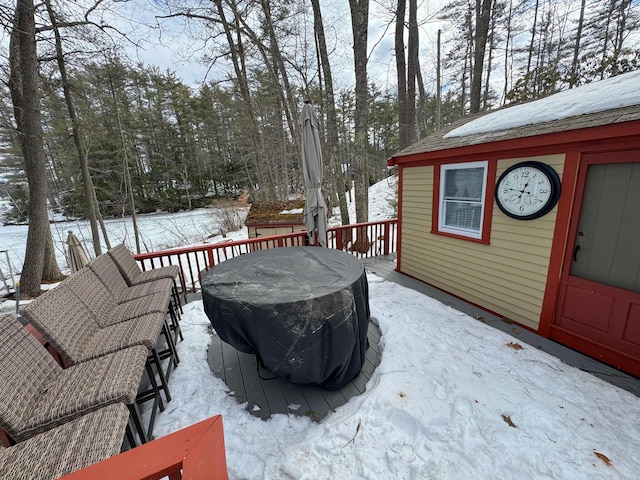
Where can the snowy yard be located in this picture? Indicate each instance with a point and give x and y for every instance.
(452, 399)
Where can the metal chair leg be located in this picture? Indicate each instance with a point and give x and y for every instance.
(163, 381)
(137, 422)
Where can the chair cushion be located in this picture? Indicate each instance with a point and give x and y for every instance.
(85, 387)
(68, 324)
(25, 371)
(143, 330)
(89, 290)
(106, 269)
(67, 448)
(131, 271)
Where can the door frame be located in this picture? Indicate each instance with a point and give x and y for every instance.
(562, 335)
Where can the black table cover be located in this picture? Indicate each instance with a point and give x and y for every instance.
(303, 310)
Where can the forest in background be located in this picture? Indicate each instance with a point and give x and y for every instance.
(183, 146)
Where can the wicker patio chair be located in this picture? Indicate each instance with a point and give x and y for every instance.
(89, 290)
(72, 446)
(72, 330)
(38, 394)
(133, 275)
(106, 269)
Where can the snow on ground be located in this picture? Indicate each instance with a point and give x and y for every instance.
(614, 92)
(451, 399)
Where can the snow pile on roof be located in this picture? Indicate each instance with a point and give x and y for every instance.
(614, 92)
(295, 211)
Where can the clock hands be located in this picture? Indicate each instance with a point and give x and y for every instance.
(523, 191)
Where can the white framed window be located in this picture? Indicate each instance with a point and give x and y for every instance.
(462, 197)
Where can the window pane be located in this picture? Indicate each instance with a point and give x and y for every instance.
(465, 215)
(464, 184)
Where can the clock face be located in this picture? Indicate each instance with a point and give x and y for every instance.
(527, 190)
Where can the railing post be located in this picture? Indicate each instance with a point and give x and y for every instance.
(387, 237)
(339, 244)
(210, 258)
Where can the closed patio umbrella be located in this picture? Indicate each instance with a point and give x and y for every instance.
(76, 256)
(315, 209)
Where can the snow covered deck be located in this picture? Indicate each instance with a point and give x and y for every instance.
(266, 394)
(384, 266)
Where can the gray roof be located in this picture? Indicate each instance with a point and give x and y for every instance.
(436, 141)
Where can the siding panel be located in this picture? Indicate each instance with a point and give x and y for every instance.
(508, 276)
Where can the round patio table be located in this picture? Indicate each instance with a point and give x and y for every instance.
(304, 311)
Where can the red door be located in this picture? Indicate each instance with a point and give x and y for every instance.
(599, 303)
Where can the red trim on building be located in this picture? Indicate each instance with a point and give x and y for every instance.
(560, 240)
(596, 350)
(598, 138)
(399, 228)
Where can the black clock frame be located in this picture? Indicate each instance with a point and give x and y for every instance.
(554, 181)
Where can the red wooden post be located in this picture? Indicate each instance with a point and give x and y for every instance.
(54, 353)
(387, 238)
(339, 244)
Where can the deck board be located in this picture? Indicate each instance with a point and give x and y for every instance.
(254, 389)
(259, 387)
(232, 373)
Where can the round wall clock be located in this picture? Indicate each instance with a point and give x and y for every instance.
(527, 190)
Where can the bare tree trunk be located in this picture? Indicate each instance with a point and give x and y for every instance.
(412, 68)
(533, 35)
(401, 75)
(439, 83)
(105, 234)
(508, 54)
(77, 135)
(483, 17)
(573, 80)
(487, 79)
(25, 95)
(236, 58)
(605, 42)
(406, 72)
(280, 68)
(359, 24)
(468, 63)
(332, 122)
(127, 175)
(423, 99)
(620, 31)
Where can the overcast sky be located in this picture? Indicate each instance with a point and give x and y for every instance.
(177, 47)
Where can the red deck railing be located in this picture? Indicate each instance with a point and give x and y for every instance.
(197, 452)
(363, 240)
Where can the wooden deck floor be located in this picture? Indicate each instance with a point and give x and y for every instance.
(266, 394)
